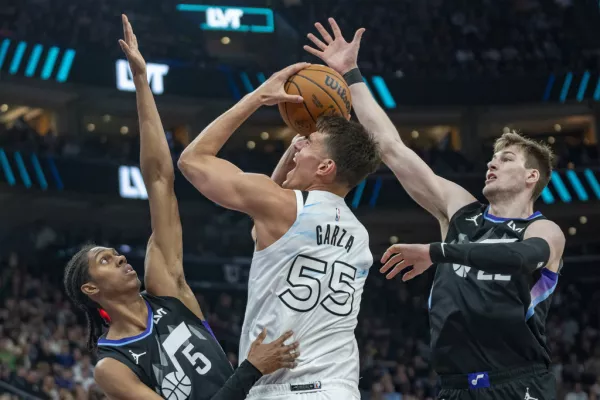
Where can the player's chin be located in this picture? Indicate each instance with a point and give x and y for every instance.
(490, 189)
(289, 181)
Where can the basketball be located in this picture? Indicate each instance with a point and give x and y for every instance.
(325, 93)
(176, 386)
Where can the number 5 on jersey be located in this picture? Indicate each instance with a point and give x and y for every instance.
(305, 292)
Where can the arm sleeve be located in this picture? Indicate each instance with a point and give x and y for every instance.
(494, 258)
(240, 383)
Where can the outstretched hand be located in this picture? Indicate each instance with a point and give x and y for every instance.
(129, 45)
(272, 91)
(402, 256)
(336, 52)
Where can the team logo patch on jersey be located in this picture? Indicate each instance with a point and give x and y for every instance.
(479, 380)
(474, 219)
(337, 214)
(461, 270)
(528, 396)
(305, 386)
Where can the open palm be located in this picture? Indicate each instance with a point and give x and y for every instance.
(335, 51)
(130, 47)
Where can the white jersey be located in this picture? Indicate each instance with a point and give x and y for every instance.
(311, 281)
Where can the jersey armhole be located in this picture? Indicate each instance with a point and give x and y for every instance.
(300, 200)
(119, 357)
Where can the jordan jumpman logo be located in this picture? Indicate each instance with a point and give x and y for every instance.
(528, 397)
(136, 357)
(474, 219)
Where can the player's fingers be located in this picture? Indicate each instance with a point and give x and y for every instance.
(410, 274)
(397, 269)
(289, 98)
(283, 338)
(388, 253)
(124, 22)
(391, 262)
(312, 51)
(358, 35)
(295, 68)
(124, 46)
(291, 349)
(337, 32)
(127, 29)
(324, 34)
(290, 356)
(288, 365)
(134, 41)
(260, 338)
(318, 42)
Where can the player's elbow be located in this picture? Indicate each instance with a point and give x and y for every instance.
(196, 170)
(190, 165)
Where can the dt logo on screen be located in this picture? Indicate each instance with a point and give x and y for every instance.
(240, 19)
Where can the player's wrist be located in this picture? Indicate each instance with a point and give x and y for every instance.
(436, 253)
(347, 68)
(255, 99)
(353, 76)
(140, 78)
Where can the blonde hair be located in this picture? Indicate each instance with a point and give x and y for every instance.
(538, 156)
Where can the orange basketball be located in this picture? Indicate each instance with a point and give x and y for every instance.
(325, 93)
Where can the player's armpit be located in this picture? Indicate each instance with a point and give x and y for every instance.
(118, 382)
(225, 184)
(553, 235)
(440, 197)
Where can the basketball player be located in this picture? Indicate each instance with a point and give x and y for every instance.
(312, 255)
(498, 265)
(158, 342)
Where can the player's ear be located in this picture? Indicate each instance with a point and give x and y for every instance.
(533, 175)
(326, 168)
(89, 289)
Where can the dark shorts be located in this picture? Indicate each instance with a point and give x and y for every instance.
(528, 383)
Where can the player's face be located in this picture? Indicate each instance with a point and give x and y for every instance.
(506, 173)
(308, 161)
(110, 273)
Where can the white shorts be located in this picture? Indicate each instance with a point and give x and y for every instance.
(323, 390)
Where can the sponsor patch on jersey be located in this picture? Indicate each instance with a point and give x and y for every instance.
(479, 380)
(337, 214)
(306, 386)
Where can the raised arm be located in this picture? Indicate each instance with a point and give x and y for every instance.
(221, 181)
(163, 265)
(437, 195)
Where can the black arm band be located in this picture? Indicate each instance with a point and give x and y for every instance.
(353, 76)
(239, 384)
(494, 258)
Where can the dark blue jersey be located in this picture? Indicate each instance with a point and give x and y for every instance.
(177, 355)
(488, 322)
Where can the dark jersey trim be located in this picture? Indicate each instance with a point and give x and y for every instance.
(122, 342)
(495, 219)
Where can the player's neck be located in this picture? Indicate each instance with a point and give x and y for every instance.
(128, 316)
(338, 190)
(515, 208)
